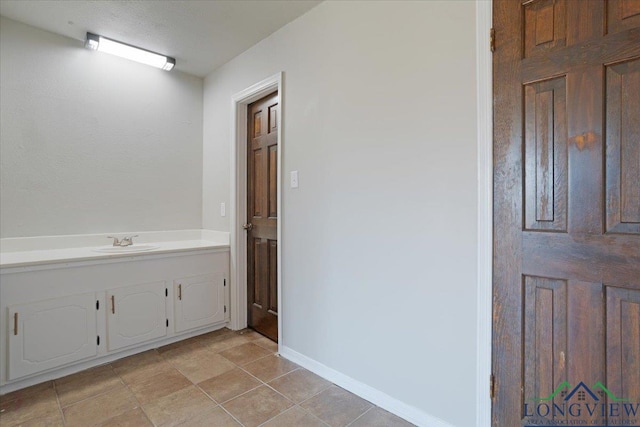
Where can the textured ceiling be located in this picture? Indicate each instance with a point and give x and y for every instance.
(200, 34)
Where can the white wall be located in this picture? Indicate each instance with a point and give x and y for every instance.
(379, 242)
(93, 143)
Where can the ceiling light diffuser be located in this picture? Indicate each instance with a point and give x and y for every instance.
(103, 44)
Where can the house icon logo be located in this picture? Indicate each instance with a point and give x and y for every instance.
(581, 390)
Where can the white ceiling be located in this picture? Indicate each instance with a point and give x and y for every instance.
(200, 34)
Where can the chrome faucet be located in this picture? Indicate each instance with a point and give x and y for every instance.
(125, 241)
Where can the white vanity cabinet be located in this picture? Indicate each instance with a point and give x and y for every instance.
(57, 318)
(199, 301)
(51, 333)
(136, 314)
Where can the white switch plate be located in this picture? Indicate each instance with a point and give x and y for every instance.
(223, 209)
(294, 179)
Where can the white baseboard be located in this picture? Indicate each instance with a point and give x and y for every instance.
(383, 400)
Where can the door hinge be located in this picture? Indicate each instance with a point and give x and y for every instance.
(167, 323)
(98, 305)
(225, 308)
(492, 39)
(166, 292)
(98, 340)
(492, 386)
(225, 282)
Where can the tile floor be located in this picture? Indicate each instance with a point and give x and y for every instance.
(223, 378)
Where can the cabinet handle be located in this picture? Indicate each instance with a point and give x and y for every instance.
(180, 292)
(113, 304)
(15, 323)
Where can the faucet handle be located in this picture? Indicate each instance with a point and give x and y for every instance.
(116, 242)
(127, 241)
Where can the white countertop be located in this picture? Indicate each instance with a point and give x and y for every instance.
(54, 255)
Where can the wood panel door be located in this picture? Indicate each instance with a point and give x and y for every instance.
(262, 215)
(566, 305)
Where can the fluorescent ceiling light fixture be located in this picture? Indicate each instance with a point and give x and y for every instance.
(103, 44)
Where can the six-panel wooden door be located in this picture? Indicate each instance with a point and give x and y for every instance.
(262, 215)
(566, 310)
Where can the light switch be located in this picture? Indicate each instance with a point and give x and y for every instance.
(294, 179)
(223, 209)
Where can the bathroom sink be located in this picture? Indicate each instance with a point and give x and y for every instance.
(125, 249)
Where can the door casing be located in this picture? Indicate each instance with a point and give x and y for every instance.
(238, 211)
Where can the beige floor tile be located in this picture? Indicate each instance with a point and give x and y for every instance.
(265, 342)
(130, 366)
(136, 360)
(300, 385)
(162, 384)
(257, 406)
(132, 418)
(99, 409)
(86, 384)
(141, 365)
(180, 349)
(270, 367)
(178, 407)
(159, 385)
(190, 342)
(53, 421)
(225, 342)
(214, 417)
(336, 406)
(229, 385)
(80, 376)
(33, 406)
(295, 417)
(248, 333)
(142, 372)
(190, 349)
(213, 336)
(22, 393)
(245, 353)
(378, 417)
(202, 365)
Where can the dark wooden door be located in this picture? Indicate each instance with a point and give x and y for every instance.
(566, 305)
(262, 216)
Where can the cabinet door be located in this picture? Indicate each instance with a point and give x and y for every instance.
(199, 301)
(48, 334)
(135, 314)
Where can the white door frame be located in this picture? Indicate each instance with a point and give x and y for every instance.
(238, 214)
(484, 72)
